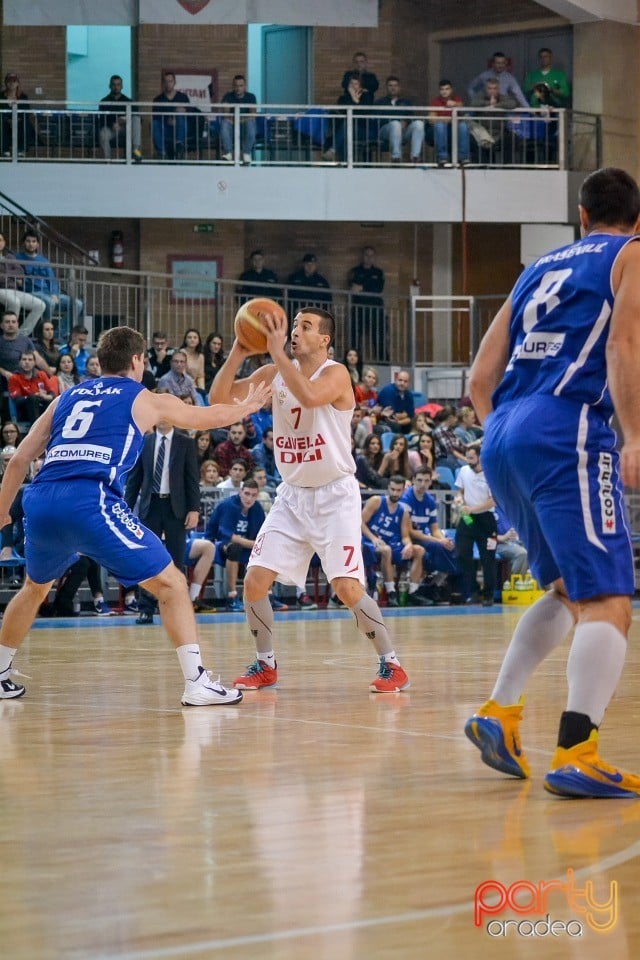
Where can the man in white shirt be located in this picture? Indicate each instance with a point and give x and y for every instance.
(477, 525)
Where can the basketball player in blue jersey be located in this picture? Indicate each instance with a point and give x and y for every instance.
(92, 435)
(317, 507)
(562, 352)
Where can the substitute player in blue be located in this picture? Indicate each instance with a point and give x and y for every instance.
(562, 352)
(92, 435)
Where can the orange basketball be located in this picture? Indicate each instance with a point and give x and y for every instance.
(249, 323)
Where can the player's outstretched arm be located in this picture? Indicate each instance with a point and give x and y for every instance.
(150, 408)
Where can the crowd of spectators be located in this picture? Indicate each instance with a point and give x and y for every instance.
(178, 125)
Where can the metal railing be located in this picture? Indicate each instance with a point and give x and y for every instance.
(53, 130)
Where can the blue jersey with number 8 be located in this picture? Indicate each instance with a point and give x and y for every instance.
(561, 310)
(93, 435)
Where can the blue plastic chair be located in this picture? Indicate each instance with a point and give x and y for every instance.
(387, 439)
(445, 475)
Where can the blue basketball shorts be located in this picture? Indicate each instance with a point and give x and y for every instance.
(63, 520)
(552, 466)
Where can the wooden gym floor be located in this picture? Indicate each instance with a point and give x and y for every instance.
(314, 821)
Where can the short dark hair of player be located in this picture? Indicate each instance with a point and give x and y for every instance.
(422, 472)
(117, 348)
(327, 323)
(250, 484)
(397, 478)
(611, 197)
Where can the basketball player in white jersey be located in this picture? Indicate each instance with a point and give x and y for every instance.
(317, 507)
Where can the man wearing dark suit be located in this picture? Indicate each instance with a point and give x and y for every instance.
(166, 477)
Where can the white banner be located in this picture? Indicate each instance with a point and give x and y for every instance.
(328, 13)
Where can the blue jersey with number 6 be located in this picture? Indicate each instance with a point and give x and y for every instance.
(93, 435)
(561, 309)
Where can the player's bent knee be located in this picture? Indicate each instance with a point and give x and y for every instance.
(257, 583)
(349, 591)
(166, 582)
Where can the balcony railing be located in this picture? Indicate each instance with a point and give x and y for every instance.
(47, 131)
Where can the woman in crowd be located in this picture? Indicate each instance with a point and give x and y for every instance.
(10, 435)
(66, 373)
(468, 429)
(353, 364)
(366, 393)
(368, 464)
(93, 369)
(204, 446)
(396, 459)
(214, 357)
(424, 456)
(44, 341)
(192, 346)
(209, 473)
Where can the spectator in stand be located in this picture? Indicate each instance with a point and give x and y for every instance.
(442, 123)
(354, 95)
(40, 279)
(233, 528)
(13, 93)
(198, 557)
(194, 351)
(204, 446)
(509, 86)
(395, 131)
(366, 394)
(368, 464)
(360, 69)
(264, 456)
(309, 278)
(169, 120)
(234, 448)
(113, 122)
(397, 404)
(12, 346)
(214, 357)
(177, 381)
(45, 345)
(424, 456)
(553, 78)
(252, 433)
(92, 370)
(209, 474)
(66, 372)
(266, 492)
(263, 418)
(359, 431)
(451, 452)
(78, 349)
(239, 95)
(258, 274)
(159, 354)
(366, 283)
(232, 483)
(395, 462)
(30, 389)
(12, 295)
(510, 547)
(10, 435)
(353, 363)
(468, 430)
(491, 134)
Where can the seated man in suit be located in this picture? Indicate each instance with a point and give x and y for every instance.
(166, 478)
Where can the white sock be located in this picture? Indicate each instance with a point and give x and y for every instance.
(539, 631)
(6, 658)
(194, 591)
(390, 587)
(594, 666)
(413, 587)
(267, 657)
(190, 660)
(129, 597)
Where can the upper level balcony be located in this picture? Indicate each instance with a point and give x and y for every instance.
(298, 163)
